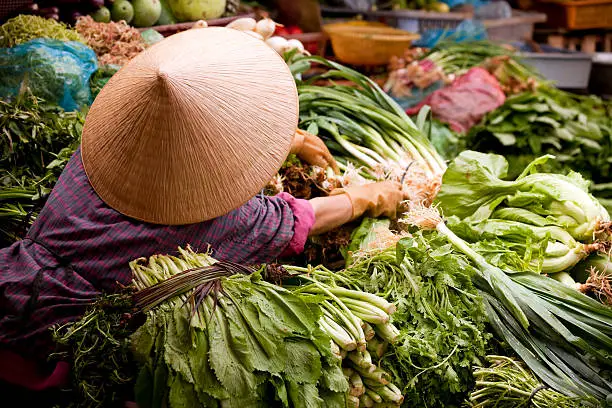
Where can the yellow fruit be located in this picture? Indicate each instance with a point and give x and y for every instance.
(440, 7)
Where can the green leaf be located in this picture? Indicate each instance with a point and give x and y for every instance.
(182, 394)
(226, 364)
(303, 364)
(304, 395)
(178, 343)
(143, 389)
(205, 380)
(333, 379)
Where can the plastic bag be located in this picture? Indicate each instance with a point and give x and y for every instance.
(468, 30)
(466, 101)
(53, 70)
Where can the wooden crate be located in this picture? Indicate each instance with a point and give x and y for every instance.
(577, 14)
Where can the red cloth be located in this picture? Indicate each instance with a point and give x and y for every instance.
(27, 373)
(465, 101)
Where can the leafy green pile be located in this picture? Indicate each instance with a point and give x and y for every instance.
(541, 221)
(98, 348)
(439, 315)
(37, 141)
(246, 343)
(563, 336)
(576, 130)
(24, 28)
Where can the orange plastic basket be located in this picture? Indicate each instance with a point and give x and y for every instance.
(578, 14)
(365, 44)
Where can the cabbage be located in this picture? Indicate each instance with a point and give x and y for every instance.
(473, 189)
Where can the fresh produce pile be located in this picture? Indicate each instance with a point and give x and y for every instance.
(493, 289)
(113, 43)
(242, 342)
(439, 318)
(24, 28)
(535, 120)
(364, 127)
(37, 141)
(139, 13)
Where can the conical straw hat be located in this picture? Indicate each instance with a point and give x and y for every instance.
(192, 128)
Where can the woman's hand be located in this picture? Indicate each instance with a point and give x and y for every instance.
(311, 149)
(347, 204)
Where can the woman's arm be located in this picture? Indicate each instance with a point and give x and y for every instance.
(347, 204)
(330, 212)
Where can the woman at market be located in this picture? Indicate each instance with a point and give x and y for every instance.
(175, 151)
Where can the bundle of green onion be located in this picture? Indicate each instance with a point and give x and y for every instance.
(363, 126)
(507, 383)
(359, 325)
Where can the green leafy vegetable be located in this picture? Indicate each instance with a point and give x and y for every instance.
(246, 343)
(37, 141)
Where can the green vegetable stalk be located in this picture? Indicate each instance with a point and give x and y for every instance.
(563, 336)
(357, 322)
(361, 124)
(506, 382)
(242, 342)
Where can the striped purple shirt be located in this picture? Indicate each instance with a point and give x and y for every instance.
(79, 246)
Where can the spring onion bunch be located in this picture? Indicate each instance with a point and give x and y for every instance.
(439, 316)
(362, 125)
(359, 325)
(507, 383)
(563, 336)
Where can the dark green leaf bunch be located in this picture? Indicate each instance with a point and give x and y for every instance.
(576, 130)
(37, 140)
(98, 347)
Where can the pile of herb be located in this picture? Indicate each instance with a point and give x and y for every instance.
(98, 348)
(23, 28)
(439, 315)
(243, 342)
(37, 141)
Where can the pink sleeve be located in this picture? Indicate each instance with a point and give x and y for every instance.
(304, 220)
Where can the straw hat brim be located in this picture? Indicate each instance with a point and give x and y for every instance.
(192, 128)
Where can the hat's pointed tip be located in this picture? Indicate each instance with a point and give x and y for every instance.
(162, 75)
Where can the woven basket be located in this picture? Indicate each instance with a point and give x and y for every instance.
(359, 44)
